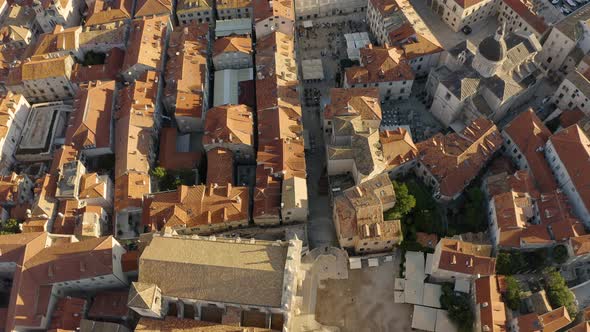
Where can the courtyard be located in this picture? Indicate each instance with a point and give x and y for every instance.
(364, 301)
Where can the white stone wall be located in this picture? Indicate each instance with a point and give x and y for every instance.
(566, 184)
(195, 15)
(8, 144)
(566, 97)
(555, 50)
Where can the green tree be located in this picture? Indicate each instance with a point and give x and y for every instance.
(159, 172)
(458, 306)
(404, 202)
(559, 254)
(513, 293)
(558, 293)
(503, 265)
(10, 226)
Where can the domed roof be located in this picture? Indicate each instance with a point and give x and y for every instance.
(492, 48)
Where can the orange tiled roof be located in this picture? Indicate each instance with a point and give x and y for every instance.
(358, 212)
(153, 7)
(468, 3)
(283, 156)
(130, 188)
(43, 267)
(146, 42)
(226, 4)
(398, 146)
(456, 159)
(90, 123)
(105, 72)
(465, 257)
(278, 123)
(385, 7)
(582, 327)
(581, 244)
(555, 320)
(220, 166)
(91, 186)
(427, 240)
(68, 314)
(267, 195)
(355, 101)
(264, 9)
(276, 73)
(232, 43)
(529, 133)
(109, 304)
(134, 125)
(65, 222)
(170, 158)
(58, 40)
(573, 148)
(104, 12)
(380, 64)
(491, 306)
(535, 21)
(196, 206)
(233, 124)
(417, 47)
(571, 117)
(520, 182)
(186, 68)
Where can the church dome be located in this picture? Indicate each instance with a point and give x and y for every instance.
(492, 48)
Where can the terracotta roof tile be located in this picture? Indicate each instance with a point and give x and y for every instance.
(153, 8)
(232, 124)
(491, 307)
(232, 43)
(105, 72)
(227, 4)
(581, 245)
(130, 188)
(170, 158)
(68, 313)
(59, 40)
(529, 134)
(267, 195)
(146, 43)
(283, 156)
(358, 212)
(427, 240)
(197, 206)
(355, 101)
(380, 64)
(385, 7)
(465, 257)
(186, 69)
(109, 304)
(398, 146)
(220, 166)
(264, 9)
(59, 263)
(134, 125)
(455, 159)
(573, 149)
(104, 12)
(90, 123)
(535, 21)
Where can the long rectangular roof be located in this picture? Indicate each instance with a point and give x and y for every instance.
(249, 273)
